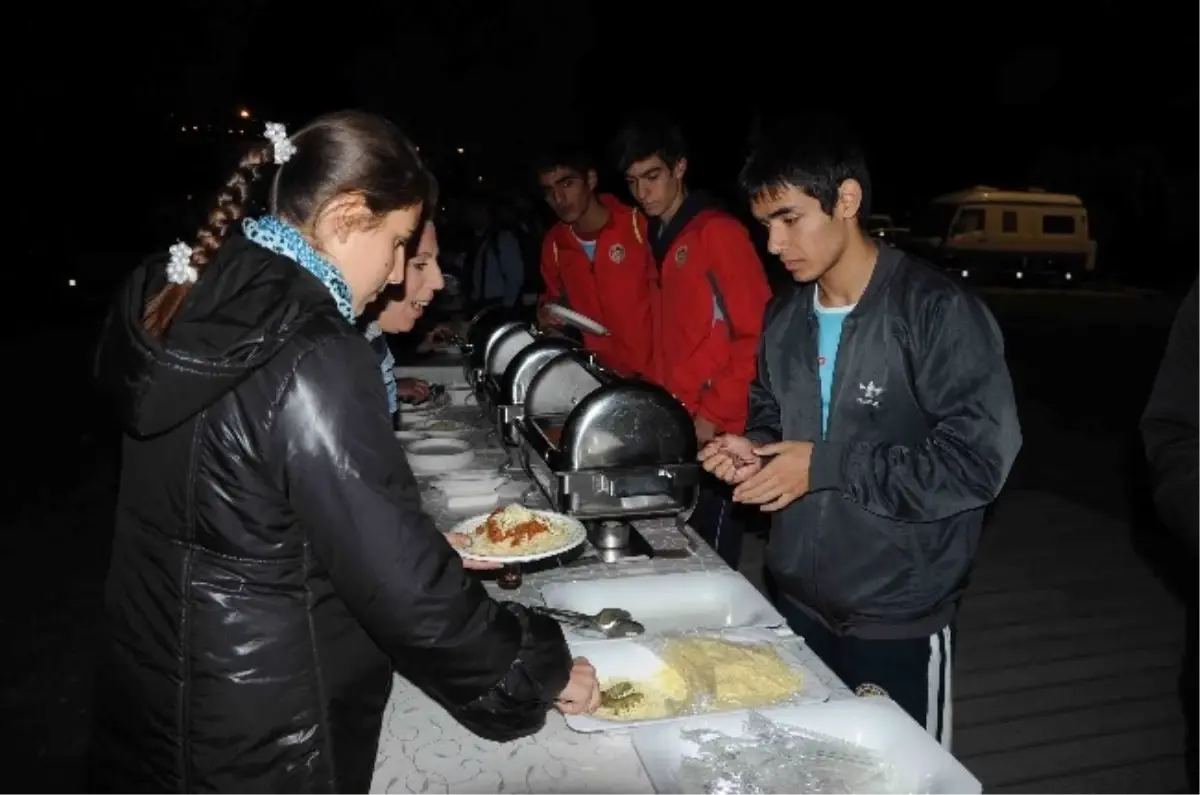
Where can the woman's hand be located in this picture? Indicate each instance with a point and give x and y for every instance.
(582, 693)
(458, 541)
(413, 390)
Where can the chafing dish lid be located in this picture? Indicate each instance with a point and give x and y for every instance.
(486, 324)
(504, 346)
(561, 384)
(627, 422)
(527, 363)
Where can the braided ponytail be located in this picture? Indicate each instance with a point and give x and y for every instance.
(229, 210)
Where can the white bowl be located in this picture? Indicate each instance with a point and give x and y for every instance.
(432, 456)
(453, 486)
(409, 436)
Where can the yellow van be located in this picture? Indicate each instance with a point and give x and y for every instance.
(988, 234)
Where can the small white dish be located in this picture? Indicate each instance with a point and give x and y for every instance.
(434, 456)
(444, 429)
(468, 487)
(474, 502)
(409, 436)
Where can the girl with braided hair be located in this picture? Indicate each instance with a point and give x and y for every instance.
(271, 565)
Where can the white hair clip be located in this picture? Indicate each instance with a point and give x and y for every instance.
(284, 148)
(179, 268)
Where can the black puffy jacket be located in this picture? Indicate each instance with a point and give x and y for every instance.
(271, 564)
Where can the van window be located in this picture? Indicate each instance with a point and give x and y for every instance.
(1009, 221)
(1058, 224)
(969, 220)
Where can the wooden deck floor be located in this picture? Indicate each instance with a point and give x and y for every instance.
(1068, 656)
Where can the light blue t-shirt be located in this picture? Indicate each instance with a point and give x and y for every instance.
(589, 247)
(829, 320)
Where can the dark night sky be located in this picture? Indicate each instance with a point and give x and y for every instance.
(946, 95)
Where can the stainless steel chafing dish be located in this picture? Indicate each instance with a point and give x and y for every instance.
(602, 447)
(506, 344)
(482, 332)
(507, 404)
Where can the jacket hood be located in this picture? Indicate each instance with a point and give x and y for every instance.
(661, 238)
(247, 304)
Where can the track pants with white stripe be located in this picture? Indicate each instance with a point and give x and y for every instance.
(913, 672)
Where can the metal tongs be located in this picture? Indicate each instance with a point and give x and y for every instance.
(612, 622)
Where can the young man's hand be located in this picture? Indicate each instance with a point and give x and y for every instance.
(730, 458)
(782, 481)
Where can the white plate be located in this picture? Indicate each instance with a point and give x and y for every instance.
(434, 456)
(571, 317)
(474, 473)
(459, 504)
(468, 487)
(444, 429)
(631, 659)
(425, 409)
(672, 602)
(918, 762)
(409, 436)
(577, 535)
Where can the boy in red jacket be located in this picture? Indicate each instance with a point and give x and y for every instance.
(710, 293)
(596, 260)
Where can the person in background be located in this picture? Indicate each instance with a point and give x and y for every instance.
(400, 307)
(271, 564)
(882, 425)
(512, 216)
(596, 261)
(1171, 433)
(494, 265)
(709, 299)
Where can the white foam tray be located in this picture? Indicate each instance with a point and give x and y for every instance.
(630, 659)
(919, 763)
(671, 602)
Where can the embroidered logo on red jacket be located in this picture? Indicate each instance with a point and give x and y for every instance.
(616, 253)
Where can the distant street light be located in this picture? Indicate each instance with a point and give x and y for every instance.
(461, 150)
(245, 114)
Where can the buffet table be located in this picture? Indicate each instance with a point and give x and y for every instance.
(422, 749)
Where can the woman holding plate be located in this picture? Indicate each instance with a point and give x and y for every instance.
(271, 565)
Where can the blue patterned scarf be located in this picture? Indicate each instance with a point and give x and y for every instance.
(286, 240)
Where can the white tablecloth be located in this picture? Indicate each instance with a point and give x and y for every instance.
(423, 750)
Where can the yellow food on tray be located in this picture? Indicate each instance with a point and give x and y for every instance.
(516, 530)
(735, 675)
(715, 673)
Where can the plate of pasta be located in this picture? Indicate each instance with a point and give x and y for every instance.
(516, 534)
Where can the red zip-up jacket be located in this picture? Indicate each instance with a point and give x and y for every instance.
(710, 297)
(614, 290)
